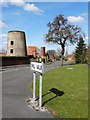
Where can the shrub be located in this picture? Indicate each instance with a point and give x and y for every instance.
(43, 60)
(65, 59)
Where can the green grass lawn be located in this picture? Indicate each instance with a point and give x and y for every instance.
(65, 91)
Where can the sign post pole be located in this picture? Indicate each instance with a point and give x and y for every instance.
(37, 67)
(34, 79)
(40, 92)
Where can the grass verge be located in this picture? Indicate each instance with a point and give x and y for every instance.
(65, 91)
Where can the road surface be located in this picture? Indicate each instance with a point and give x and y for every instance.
(15, 91)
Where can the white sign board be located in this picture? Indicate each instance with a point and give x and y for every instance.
(38, 67)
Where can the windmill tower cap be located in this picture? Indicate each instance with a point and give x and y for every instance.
(16, 31)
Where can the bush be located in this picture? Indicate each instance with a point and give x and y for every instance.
(85, 61)
(43, 60)
(57, 58)
(49, 60)
(65, 59)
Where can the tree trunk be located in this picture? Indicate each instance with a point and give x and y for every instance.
(62, 58)
(62, 55)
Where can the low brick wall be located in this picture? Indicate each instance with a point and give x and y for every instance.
(8, 61)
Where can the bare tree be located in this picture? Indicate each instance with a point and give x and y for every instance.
(60, 31)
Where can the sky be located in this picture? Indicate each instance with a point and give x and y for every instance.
(32, 18)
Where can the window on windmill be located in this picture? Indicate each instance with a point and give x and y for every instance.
(11, 51)
(12, 42)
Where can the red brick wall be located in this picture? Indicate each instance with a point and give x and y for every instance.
(31, 50)
(12, 61)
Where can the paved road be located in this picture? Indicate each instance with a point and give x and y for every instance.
(15, 91)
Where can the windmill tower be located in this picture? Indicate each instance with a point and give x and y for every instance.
(16, 45)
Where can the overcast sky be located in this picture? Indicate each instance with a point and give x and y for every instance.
(32, 18)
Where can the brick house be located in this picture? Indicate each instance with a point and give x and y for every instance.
(31, 51)
(51, 58)
(3, 54)
(70, 57)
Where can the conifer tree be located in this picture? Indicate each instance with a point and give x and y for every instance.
(80, 52)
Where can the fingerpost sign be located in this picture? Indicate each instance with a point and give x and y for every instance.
(37, 68)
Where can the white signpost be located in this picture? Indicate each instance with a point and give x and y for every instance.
(34, 80)
(37, 67)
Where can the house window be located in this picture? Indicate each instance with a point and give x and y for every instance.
(11, 51)
(12, 42)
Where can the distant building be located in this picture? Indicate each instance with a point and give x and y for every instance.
(31, 51)
(70, 57)
(3, 54)
(51, 58)
(51, 54)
